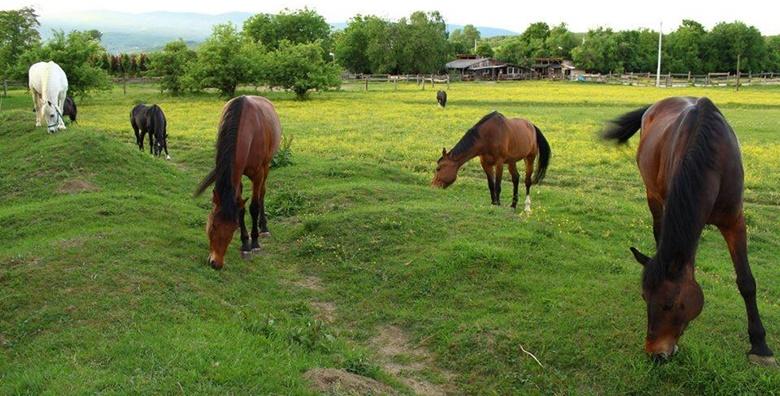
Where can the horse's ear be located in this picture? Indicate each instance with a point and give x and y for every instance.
(444, 152)
(640, 258)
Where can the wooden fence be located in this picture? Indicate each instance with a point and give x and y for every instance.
(683, 79)
(420, 79)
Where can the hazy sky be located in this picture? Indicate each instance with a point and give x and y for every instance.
(512, 15)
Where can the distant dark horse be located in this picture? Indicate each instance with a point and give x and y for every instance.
(441, 97)
(69, 109)
(247, 139)
(690, 162)
(151, 120)
(498, 140)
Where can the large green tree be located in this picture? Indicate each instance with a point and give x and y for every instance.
(422, 43)
(727, 41)
(299, 26)
(684, 48)
(171, 65)
(18, 34)
(300, 68)
(598, 52)
(225, 60)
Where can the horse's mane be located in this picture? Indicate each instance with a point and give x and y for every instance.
(682, 221)
(222, 174)
(468, 140)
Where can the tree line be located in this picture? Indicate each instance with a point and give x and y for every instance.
(297, 50)
(370, 44)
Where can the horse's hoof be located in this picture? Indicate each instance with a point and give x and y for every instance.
(265, 234)
(762, 360)
(168, 157)
(257, 250)
(246, 254)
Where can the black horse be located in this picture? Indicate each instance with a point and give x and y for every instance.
(150, 119)
(441, 97)
(69, 108)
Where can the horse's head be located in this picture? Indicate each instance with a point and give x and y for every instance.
(52, 116)
(672, 303)
(446, 170)
(219, 229)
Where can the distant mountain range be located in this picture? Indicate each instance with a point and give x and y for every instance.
(128, 32)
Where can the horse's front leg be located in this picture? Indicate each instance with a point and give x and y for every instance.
(499, 176)
(61, 108)
(488, 168)
(736, 239)
(37, 108)
(246, 249)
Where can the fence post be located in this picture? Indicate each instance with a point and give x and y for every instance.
(689, 76)
(366, 78)
(5, 88)
(448, 82)
(395, 84)
(433, 83)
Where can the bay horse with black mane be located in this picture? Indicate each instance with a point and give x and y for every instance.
(247, 139)
(498, 140)
(690, 162)
(151, 120)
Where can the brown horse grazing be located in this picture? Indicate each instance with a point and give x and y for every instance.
(690, 162)
(248, 137)
(498, 140)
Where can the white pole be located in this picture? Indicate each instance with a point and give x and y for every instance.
(658, 71)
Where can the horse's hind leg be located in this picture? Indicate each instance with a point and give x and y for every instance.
(246, 249)
(735, 236)
(490, 179)
(515, 182)
(151, 142)
(529, 170)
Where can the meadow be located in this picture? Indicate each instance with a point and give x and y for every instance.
(104, 286)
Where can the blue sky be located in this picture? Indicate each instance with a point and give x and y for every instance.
(513, 15)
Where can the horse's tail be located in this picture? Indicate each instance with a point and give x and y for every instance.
(544, 156)
(625, 126)
(206, 182)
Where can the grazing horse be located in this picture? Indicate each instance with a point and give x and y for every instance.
(69, 108)
(498, 140)
(248, 137)
(49, 88)
(441, 97)
(690, 162)
(150, 119)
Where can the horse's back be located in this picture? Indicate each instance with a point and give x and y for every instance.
(44, 76)
(264, 121)
(668, 129)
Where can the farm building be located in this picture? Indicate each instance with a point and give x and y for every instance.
(552, 68)
(472, 67)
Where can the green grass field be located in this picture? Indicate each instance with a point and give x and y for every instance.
(104, 286)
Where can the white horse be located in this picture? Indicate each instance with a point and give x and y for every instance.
(49, 87)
